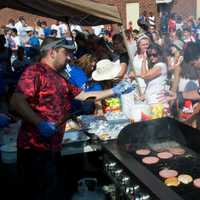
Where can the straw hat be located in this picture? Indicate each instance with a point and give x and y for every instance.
(106, 70)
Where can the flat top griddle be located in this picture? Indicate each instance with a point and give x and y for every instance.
(189, 163)
(146, 134)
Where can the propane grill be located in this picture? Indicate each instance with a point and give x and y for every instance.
(138, 181)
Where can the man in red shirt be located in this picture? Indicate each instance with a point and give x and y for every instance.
(42, 98)
(172, 23)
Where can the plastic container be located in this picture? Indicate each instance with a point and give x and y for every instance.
(9, 134)
(88, 190)
(137, 110)
(9, 153)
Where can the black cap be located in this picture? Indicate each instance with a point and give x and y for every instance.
(58, 44)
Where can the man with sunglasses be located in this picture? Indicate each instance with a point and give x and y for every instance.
(43, 100)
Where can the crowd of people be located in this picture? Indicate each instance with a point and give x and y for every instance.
(162, 59)
(45, 74)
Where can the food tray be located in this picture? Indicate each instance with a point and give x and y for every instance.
(74, 137)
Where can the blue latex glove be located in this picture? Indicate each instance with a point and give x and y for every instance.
(123, 87)
(4, 121)
(46, 129)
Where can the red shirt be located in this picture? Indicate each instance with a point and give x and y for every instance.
(171, 25)
(48, 94)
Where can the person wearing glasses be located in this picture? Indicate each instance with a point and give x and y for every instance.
(155, 75)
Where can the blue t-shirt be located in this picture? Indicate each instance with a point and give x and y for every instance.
(47, 31)
(34, 41)
(78, 77)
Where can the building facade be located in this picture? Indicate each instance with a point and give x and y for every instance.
(129, 10)
(6, 14)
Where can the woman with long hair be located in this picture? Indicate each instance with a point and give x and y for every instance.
(79, 74)
(143, 43)
(174, 61)
(155, 75)
(131, 42)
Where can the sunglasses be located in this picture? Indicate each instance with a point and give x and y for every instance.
(153, 55)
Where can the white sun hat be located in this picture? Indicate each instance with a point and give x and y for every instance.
(106, 70)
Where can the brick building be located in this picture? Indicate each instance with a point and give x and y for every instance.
(129, 9)
(6, 14)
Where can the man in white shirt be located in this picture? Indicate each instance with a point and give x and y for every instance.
(20, 25)
(57, 28)
(63, 29)
(97, 29)
(76, 27)
(151, 19)
(11, 23)
(16, 40)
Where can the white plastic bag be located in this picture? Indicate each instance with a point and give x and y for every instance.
(127, 102)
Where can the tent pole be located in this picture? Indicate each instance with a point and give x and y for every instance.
(70, 31)
(130, 57)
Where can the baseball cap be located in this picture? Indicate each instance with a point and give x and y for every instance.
(178, 44)
(61, 43)
(29, 28)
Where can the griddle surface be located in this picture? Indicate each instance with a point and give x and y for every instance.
(189, 163)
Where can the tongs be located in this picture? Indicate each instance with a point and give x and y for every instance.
(73, 116)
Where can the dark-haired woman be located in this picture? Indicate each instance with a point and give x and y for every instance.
(79, 74)
(121, 56)
(174, 61)
(155, 75)
(143, 43)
